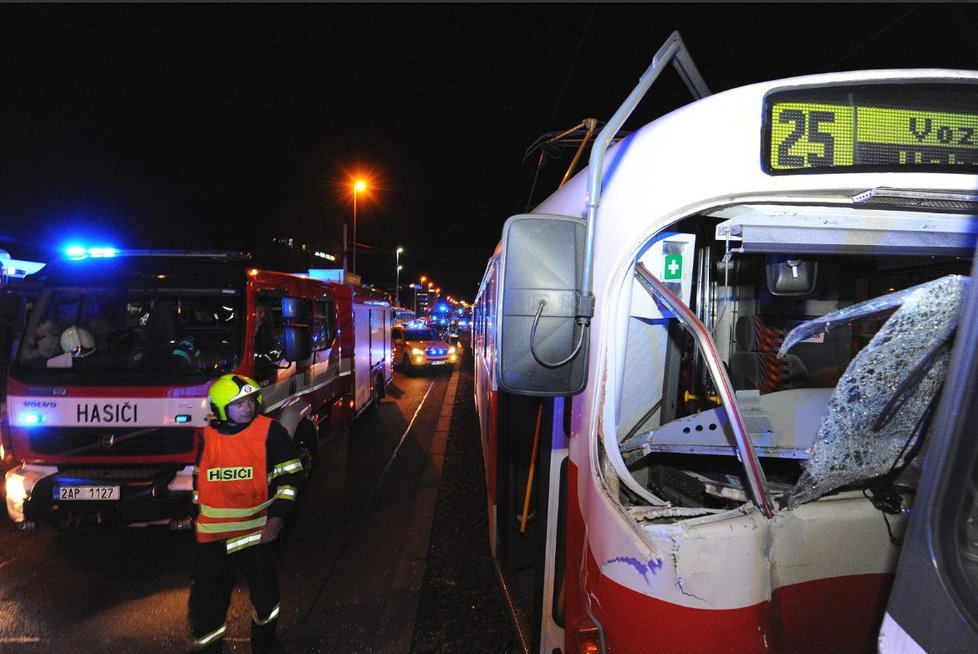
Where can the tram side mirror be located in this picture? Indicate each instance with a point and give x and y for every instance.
(298, 330)
(542, 260)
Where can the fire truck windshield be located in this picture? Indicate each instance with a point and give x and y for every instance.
(116, 334)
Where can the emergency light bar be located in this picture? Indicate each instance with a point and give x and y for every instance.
(79, 252)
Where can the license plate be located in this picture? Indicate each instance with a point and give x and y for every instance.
(87, 493)
(437, 363)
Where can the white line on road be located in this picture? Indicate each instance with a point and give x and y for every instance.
(407, 431)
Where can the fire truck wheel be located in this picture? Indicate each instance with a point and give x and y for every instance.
(307, 438)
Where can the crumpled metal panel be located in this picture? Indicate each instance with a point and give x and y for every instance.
(850, 445)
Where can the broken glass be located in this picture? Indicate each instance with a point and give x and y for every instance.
(877, 408)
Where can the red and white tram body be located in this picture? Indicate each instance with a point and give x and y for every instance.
(703, 493)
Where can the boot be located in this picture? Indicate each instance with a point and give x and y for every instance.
(264, 640)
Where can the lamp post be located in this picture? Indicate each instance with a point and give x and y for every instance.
(418, 287)
(397, 276)
(358, 186)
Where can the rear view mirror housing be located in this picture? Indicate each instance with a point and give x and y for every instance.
(295, 308)
(298, 343)
(541, 262)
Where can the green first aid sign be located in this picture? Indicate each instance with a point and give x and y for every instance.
(673, 267)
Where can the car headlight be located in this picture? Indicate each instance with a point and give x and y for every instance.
(416, 352)
(451, 350)
(15, 488)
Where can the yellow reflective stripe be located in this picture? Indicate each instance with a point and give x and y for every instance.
(285, 493)
(217, 512)
(271, 616)
(211, 637)
(236, 544)
(220, 527)
(295, 465)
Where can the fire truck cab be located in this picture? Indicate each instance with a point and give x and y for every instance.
(107, 387)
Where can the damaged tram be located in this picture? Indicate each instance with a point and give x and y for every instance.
(706, 367)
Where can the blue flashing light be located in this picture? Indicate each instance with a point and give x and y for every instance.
(183, 418)
(442, 308)
(30, 419)
(78, 252)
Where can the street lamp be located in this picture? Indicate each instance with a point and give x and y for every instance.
(358, 186)
(415, 287)
(397, 276)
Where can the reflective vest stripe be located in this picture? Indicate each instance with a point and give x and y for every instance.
(285, 493)
(216, 512)
(284, 468)
(221, 527)
(211, 637)
(271, 616)
(241, 542)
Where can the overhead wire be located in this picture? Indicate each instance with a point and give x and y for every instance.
(870, 38)
(531, 183)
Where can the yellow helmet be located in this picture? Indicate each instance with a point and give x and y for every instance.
(231, 388)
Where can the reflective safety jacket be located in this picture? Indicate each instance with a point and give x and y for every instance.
(244, 474)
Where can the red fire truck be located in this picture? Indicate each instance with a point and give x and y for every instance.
(107, 389)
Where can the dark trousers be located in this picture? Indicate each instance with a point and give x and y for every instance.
(215, 572)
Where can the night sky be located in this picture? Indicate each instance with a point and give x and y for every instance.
(222, 126)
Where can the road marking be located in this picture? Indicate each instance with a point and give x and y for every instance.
(20, 640)
(413, 561)
(423, 507)
(407, 431)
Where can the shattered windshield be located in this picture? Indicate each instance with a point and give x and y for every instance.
(881, 405)
(112, 334)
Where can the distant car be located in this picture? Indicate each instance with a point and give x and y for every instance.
(414, 348)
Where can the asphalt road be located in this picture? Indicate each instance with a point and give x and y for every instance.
(354, 565)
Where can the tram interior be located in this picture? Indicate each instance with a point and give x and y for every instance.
(835, 359)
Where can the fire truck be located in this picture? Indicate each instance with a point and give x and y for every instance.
(107, 387)
(707, 366)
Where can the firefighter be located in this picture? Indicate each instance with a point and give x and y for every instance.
(245, 488)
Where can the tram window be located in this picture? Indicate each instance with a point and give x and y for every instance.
(672, 430)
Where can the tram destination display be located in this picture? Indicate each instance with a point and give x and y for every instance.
(895, 127)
